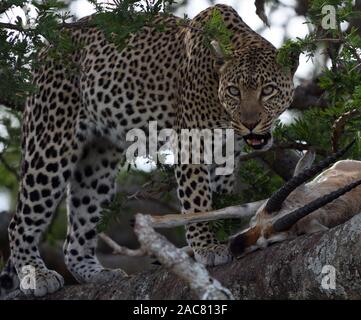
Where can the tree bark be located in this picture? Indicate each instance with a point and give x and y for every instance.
(308, 95)
(282, 162)
(289, 270)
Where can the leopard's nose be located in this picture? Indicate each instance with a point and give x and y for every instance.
(250, 125)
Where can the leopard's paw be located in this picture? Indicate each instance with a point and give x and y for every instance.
(40, 282)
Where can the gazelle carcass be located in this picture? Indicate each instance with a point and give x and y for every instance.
(330, 199)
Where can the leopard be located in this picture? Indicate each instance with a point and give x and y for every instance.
(74, 131)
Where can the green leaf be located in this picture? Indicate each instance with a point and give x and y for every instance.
(215, 29)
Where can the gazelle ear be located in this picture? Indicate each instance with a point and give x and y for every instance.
(218, 54)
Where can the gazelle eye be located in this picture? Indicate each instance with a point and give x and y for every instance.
(234, 91)
(268, 90)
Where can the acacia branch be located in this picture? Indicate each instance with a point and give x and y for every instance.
(243, 211)
(120, 250)
(288, 270)
(12, 26)
(339, 126)
(307, 95)
(342, 40)
(177, 261)
(282, 146)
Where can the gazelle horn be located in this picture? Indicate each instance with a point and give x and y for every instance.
(275, 201)
(290, 219)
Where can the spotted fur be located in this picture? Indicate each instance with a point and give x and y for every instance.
(74, 130)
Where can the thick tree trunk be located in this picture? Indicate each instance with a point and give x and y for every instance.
(290, 270)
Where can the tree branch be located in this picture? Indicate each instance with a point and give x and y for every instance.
(307, 95)
(176, 260)
(282, 162)
(282, 146)
(117, 249)
(289, 270)
(83, 23)
(4, 6)
(243, 211)
(339, 126)
(12, 26)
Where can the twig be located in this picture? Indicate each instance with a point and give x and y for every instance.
(194, 273)
(329, 40)
(124, 251)
(244, 211)
(12, 26)
(339, 126)
(117, 249)
(342, 41)
(282, 146)
(86, 22)
(83, 23)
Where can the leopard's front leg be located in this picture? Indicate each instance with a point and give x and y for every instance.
(194, 192)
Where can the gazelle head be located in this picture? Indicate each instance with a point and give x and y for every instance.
(272, 222)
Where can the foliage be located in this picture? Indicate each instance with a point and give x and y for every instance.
(215, 29)
(9, 150)
(350, 39)
(341, 82)
(20, 42)
(111, 212)
(124, 17)
(290, 51)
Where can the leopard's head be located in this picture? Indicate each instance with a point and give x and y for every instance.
(254, 89)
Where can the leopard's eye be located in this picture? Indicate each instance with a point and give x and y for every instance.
(233, 91)
(268, 90)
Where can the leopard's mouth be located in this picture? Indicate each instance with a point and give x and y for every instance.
(258, 141)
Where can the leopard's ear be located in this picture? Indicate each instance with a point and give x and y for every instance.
(218, 54)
